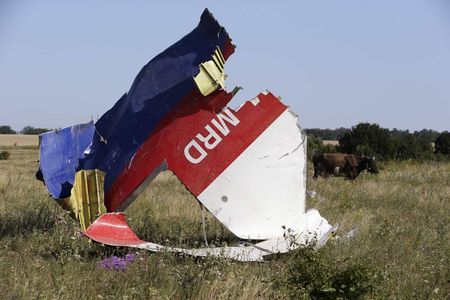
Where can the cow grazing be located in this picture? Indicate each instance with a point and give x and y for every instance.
(341, 164)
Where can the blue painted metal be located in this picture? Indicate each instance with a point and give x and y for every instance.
(158, 87)
(59, 153)
(161, 84)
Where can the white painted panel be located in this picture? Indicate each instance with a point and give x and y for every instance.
(264, 188)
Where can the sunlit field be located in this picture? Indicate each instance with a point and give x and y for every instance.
(393, 242)
(18, 140)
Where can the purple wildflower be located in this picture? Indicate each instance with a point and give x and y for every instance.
(130, 257)
(117, 263)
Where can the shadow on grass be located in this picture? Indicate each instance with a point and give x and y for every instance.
(26, 221)
(182, 232)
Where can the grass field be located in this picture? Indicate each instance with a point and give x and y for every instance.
(18, 140)
(330, 142)
(394, 243)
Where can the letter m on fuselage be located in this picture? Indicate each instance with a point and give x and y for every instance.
(212, 139)
(221, 125)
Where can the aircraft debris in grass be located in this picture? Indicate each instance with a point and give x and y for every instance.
(247, 166)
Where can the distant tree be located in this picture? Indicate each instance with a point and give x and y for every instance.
(442, 143)
(398, 133)
(368, 139)
(316, 146)
(412, 147)
(327, 148)
(327, 134)
(313, 146)
(340, 132)
(5, 129)
(32, 130)
(427, 134)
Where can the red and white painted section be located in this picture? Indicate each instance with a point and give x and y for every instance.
(246, 166)
(112, 229)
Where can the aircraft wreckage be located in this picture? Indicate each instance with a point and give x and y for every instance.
(246, 166)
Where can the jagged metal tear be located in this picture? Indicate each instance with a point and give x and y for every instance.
(260, 195)
(112, 229)
(253, 182)
(264, 189)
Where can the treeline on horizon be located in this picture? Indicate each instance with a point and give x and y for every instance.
(363, 139)
(336, 134)
(29, 130)
(385, 144)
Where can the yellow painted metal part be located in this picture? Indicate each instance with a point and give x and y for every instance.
(211, 76)
(86, 201)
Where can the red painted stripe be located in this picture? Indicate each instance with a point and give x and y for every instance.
(112, 229)
(162, 142)
(187, 120)
(227, 49)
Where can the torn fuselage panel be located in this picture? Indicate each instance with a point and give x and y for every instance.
(160, 87)
(59, 154)
(246, 166)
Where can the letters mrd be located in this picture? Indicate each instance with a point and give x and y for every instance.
(197, 149)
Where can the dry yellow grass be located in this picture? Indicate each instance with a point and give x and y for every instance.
(18, 140)
(330, 142)
(401, 219)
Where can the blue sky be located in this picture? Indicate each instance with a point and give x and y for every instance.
(336, 63)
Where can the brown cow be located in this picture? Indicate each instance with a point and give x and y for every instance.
(341, 164)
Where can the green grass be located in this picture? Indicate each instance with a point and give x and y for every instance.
(401, 248)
